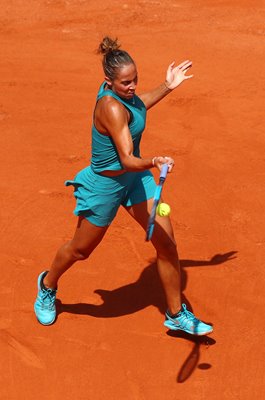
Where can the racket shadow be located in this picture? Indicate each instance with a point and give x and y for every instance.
(192, 361)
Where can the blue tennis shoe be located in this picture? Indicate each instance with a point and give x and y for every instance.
(187, 322)
(44, 305)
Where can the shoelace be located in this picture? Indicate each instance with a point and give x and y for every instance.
(188, 314)
(186, 319)
(48, 297)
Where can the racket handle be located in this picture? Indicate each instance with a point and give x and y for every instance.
(163, 172)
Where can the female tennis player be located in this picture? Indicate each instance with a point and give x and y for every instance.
(120, 176)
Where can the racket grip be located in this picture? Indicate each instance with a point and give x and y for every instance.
(163, 172)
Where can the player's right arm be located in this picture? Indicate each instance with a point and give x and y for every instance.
(112, 118)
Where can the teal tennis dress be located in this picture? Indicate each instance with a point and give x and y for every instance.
(99, 197)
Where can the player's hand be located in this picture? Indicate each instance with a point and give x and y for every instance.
(177, 74)
(159, 161)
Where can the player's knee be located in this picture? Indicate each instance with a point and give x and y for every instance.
(81, 254)
(167, 249)
(78, 254)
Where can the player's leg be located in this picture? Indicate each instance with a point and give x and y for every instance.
(177, 315)
(85, 240)
(166, 249)
(97, 212)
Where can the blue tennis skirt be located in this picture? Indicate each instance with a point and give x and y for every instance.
(99, 197)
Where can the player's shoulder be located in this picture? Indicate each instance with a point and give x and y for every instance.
(110, 106)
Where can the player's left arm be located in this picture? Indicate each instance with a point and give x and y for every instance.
(175, 75)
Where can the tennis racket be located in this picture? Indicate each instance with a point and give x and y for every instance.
(157, 195)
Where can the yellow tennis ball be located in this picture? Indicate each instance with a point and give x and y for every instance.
(163, 210)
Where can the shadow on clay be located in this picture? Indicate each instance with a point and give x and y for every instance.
(147, 291)
(192, 361)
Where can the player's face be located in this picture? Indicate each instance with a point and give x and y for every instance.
(125, 82)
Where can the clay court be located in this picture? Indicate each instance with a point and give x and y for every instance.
(109, 341)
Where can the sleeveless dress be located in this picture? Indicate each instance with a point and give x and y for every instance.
(98, 197)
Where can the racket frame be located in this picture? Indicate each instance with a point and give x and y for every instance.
(157, 196)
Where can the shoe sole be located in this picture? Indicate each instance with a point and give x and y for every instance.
(172, 327)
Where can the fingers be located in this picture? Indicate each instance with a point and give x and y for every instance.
(170, 163)
(188, 76)
(159, 161)
(183, 68)
(185, 65)
(170, 67)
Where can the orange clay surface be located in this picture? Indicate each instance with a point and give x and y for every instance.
(109, 341)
